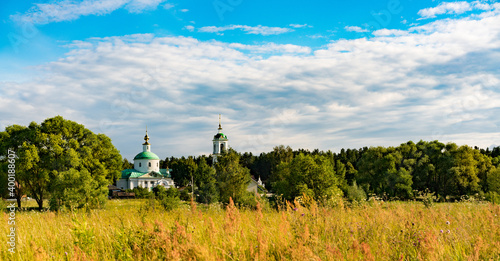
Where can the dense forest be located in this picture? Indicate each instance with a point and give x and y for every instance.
(62, 161)
(448, 172)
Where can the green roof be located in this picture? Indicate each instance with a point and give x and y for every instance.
(132, 173)
(220, 136)
(146, 155)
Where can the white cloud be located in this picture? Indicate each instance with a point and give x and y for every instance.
(299, 25)
(168, 6)
(355, 29)
(189, 28)
(436, 81)
(391, 32)
(184, 10)
(68, 10)
(446, 8)
(259, 29)
(272, 48)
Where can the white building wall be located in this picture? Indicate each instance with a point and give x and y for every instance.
(144, 165)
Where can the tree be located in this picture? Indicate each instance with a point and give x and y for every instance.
(232, 178)
(76, 189)
(206, 182)
(127, 165)
(494, 180)
(463, 175)
(306, 174)
(56, 146)
(183, 171)
(13, 138)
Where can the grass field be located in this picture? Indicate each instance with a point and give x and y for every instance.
(133, 230)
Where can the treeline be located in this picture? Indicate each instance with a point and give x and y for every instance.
(404, 172)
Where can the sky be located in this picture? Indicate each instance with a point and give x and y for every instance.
(315, 74)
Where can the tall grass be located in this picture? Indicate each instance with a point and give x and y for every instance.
(134, 230)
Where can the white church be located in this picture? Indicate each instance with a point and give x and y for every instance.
(146, 172)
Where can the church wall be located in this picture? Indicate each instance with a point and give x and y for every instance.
(155, 165)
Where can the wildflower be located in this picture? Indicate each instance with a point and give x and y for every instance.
(303, 214)
(448, 231)
(447, 222)
(295, 209)
(66, 253)
(442, 231)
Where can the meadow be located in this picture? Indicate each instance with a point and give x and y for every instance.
(141, 230)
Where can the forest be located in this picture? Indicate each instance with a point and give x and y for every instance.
(62, 162)
(444, 172)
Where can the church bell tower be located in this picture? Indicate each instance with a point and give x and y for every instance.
(220, 142)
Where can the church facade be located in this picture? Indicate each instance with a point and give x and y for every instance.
(146, 172)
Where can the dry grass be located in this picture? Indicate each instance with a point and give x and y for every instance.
(126, 230)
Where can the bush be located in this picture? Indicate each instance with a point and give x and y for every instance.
(208, 193)
(170, 203)
(355, 193)
(428, 198)
(160, 192)
(184, 195)
(172, 192)
(493, 197)
(141, 192)
(248, 200)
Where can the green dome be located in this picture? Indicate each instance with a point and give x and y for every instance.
(146, 155)
(220, 136)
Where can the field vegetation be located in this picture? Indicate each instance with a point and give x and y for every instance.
(374, 230)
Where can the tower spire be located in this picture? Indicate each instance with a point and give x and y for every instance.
(146, 137)
(220, 127)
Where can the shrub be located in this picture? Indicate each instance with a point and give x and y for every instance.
(184, 195)
(170, 203)
(493, 197)
(141, 192)
(208, 193)
(355, 193)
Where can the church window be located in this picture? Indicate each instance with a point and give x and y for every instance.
(150, 164)
(139, 164)
(157, 164)
(214, 149)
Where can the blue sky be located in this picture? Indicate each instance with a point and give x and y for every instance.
(321, 74)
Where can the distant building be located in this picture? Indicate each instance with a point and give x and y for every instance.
(146, 172)
(221, 143)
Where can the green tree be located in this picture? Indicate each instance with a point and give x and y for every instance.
(56, 146)
(127, 164)
(463, 175)
(13, 138)
(76, 189)
(183, 171)
(494, 180)
(206, 182)
(232, 178)
(306, 174)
